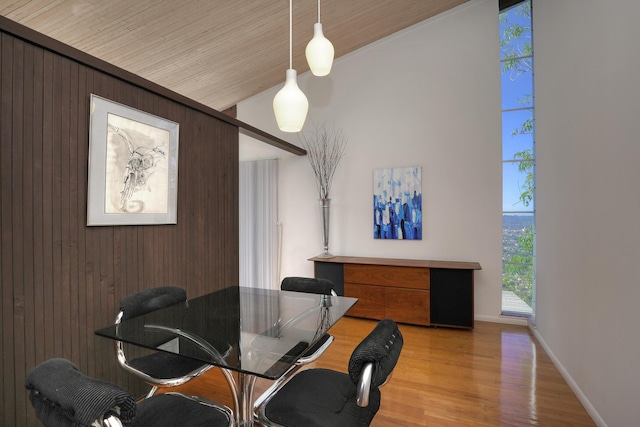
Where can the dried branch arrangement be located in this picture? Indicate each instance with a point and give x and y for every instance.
(325, 147)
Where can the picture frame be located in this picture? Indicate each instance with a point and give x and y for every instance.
(133, 166)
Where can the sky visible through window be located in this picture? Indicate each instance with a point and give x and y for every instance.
(517, 102)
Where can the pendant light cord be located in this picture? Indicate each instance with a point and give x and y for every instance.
(290, 34)
(318, 10)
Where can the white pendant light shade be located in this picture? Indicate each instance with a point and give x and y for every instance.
(319, 52)
(290, 105)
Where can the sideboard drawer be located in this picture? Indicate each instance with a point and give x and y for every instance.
(407, 306)
(370, 303)
(384, 275)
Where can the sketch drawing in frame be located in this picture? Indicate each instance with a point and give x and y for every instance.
(397, 203)
(133, 166)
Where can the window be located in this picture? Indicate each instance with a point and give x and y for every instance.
(518, 159)
(258, 210)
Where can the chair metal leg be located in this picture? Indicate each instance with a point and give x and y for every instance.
(111, 422)
(277, 384)
(151, 392)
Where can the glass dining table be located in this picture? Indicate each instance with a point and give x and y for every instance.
(256, 333)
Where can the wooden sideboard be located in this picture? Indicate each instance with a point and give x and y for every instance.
(419, 292)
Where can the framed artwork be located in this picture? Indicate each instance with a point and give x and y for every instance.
(133, 166)
(397, 203)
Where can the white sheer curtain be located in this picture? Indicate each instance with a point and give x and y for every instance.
(259, 246)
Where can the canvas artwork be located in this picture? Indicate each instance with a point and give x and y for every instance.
(133, 162)
(397, 203)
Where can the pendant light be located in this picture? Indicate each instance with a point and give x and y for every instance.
(319, 51)
(290, 105)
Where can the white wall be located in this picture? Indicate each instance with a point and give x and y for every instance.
(427, 96)
(588, 199)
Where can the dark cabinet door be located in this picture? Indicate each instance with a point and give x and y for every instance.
(452, 297)
(331, 271)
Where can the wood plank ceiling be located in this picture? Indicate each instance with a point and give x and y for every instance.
(215, 52)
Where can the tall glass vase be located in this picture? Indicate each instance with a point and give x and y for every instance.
(325, 207)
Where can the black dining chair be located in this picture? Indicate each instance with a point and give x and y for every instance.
(62, 396)
(158, 369)
(312, 286)
(320, 397)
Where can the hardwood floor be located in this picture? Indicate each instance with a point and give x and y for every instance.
(495, 375)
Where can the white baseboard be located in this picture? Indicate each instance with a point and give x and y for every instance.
(572, 384)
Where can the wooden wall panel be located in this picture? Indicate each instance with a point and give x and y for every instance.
(61, 280)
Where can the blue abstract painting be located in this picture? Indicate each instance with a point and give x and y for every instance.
(397, 203)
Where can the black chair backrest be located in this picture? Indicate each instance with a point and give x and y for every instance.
(150, 300)
(381, 347)
(62, 396)
(307, 284)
